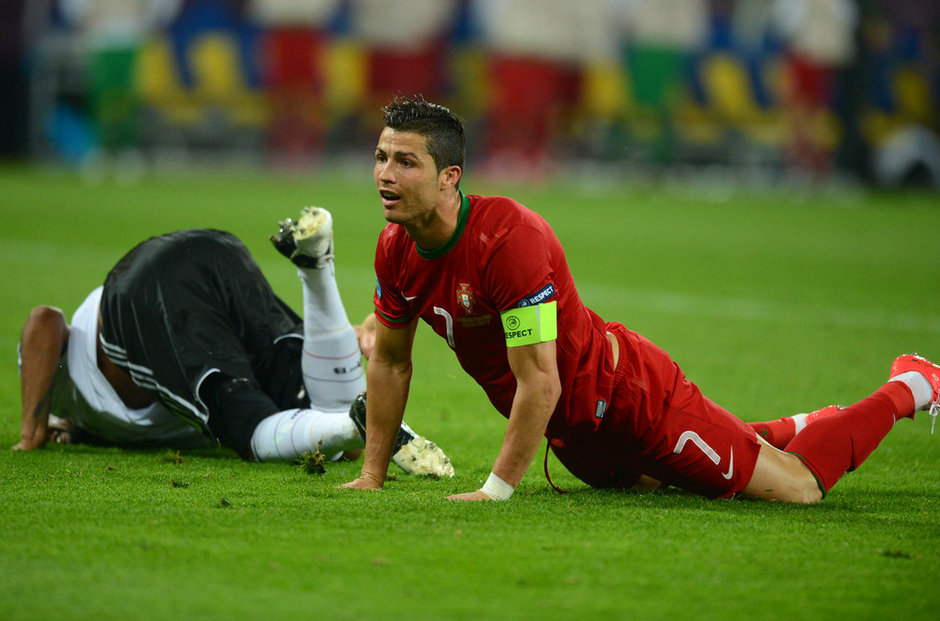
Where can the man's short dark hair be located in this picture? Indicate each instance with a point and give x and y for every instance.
(441, 128)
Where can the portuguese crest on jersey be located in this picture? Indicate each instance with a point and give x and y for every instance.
(465, 297)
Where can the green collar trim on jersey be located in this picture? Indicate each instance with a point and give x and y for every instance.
(440, 251)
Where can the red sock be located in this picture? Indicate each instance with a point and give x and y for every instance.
(839, 443)
(777, 432)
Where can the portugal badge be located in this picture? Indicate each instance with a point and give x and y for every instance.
(465, 297)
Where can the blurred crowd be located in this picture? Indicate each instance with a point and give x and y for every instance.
(792, 87)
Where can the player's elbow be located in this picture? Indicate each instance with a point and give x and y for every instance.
(546, 388)
(43, 322)
(45, 314)
(553, 389)
(385, 372)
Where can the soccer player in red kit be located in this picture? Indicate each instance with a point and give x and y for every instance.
(490, 277)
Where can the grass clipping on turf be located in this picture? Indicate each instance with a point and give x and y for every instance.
(313, 462)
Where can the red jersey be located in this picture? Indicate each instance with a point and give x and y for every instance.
(501, 256)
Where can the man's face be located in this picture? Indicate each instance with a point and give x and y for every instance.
(406, 177)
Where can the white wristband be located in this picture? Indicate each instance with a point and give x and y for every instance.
(496, 488)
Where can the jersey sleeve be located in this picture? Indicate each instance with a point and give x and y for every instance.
(390, 307)
(519, 271)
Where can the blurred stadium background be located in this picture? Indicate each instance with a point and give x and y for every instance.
(793, 90)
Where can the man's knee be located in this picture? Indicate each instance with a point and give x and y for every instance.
(782, 477)
(803, 490)
(236, 405)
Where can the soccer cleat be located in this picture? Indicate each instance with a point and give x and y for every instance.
(421, 456)
(800, 421)
(308, 241)
(931, 371)
(60, 430)
(357, 412)
(283, 240)
(822, 413)
(412, 453)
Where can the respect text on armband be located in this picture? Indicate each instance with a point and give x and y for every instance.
(529, 325)
(538, 297)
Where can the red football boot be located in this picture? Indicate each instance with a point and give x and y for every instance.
(931, 371)
(822, 412)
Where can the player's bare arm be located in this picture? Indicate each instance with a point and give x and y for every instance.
(388, 381)
(41, 344)
(538, 389)
(365, 333)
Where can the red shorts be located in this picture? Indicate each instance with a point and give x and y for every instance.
(660, 424)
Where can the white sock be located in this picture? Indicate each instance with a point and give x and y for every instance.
(290, 433)
(331, 361)
(323, 305)
(799, 423)
(919, 385)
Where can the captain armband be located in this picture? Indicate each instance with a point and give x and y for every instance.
(529, 325)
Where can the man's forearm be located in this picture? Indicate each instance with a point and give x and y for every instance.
(41, 344)
(531, 410)
(538, 389)
(387, 389)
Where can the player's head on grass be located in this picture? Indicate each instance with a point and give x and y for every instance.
(443, 130)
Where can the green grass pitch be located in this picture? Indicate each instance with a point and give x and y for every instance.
(773, 301)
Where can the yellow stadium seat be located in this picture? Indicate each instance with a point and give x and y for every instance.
(344, 72)
(219, 81)
(913, 96)
(728, 89)
(158, 83)
(731, 99)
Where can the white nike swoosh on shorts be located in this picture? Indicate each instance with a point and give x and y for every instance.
(730, 466)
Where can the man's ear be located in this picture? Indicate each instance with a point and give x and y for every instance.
(449, 177)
